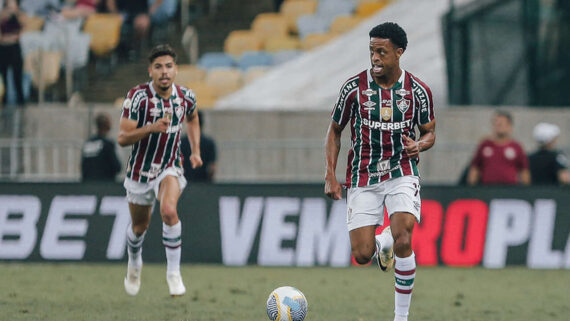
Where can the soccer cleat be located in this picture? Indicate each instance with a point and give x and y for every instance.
(385, 259)
(175, 285)
(133, 280)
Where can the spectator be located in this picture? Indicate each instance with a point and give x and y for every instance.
(162, 10)
(40, 8)
(499, 159)
(207, 152)
(99, 161)
(548, 166)
(10, 50)
(80, 9)
(136, 19)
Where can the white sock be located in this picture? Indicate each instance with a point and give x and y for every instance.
(172, 240)
(384, 241)
(405, 273)
(134, 247)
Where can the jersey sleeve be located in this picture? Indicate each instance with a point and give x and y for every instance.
(522, 161)
(423, 101)
(477, 160)
(133, 103)
(190, 99)
(561, 161)
(346, 98)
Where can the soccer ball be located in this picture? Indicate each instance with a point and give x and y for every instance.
(286, 304)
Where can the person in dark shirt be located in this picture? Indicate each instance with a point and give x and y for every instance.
(208, 153)
(99, 161)
(10, 49)
(548, 166)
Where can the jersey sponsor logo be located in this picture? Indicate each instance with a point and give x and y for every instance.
(420, 94)
(139, 96)
(368, 92)
(387, 102)
(127, 103)
(177, 101)
(173, 129)
(386, 126)
(383, 165)
(155, 112)
(386, 171)
(510, 153)
(154, 100)
(403, 104)
(402, 92)
(154, 171)
(345, 91)
(369, 105)
(386, 113)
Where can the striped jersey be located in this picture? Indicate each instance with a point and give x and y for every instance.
(378, 119)
(158, 151)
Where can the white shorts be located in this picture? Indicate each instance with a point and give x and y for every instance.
(365, 205)
(146, 193)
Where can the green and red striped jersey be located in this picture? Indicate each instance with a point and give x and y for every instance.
(158, 151)
(378, 119)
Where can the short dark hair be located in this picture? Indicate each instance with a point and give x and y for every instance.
(102, 121)
(161, 50)
(504, 113)
(392, 31)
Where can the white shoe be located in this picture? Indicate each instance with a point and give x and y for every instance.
(385, 259)
(133, 280)
(175, 285)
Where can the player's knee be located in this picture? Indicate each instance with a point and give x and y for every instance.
(140, 228)
(361, 257)
(402, 243)
(168, 212)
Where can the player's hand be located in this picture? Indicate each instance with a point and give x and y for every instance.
(333, 189)
(160, 126)
(411, 147)
(195, 160)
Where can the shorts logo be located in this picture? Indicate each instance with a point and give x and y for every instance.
(417, 205)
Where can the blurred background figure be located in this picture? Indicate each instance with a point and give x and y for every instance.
(99, 161)
(136, 23)
(40, 8)
(10, 50)
(499, 159)
(207, 171)
(548, 166)
(79, 9)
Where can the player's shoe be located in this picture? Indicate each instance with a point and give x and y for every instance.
(385, 259)
(175, 285)
(133, 280)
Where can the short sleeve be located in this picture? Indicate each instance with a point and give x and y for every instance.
(133, 103)
(561, 161)
(522, 162)
(477, 160)
(190, 99)
(424, 102)
(346, 98)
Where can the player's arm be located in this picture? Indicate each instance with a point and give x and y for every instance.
(130, 134)
(427, 139)
(564, 176)
(193, 131)
(525, 176)
(473, 175)
(333, 188)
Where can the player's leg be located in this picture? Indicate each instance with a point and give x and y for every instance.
(168, 195)
(365, 211)
(136, 231)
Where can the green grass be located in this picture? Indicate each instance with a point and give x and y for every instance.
(95, 292)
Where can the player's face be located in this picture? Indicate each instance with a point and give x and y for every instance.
(501, 126)
(163, 71)
(384, 57)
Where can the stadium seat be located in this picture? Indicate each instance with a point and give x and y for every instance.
(342, 24)
(32, 23)
(211, 60)
(44, 64)
(268, 25)
(316, 39)
(189, 73)
(224, 80)
(254, 59)
(276, 44)
(370, 7)
(330, 9)
(205, 94)
(105, 31)
(292, 9)
(253, 73)
(308, 24)
(240, 41)
(285, 55)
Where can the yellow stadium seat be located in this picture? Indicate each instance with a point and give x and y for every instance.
(368, 8)
(276, 44)
(293, 9)
(32, 23)
(342, 24)
(268, 25)
(253, 73)
(224, 80)
(189, 73)
(44, 66)
(205, 94)
(105, 31)
(316, 39)
(240, 41)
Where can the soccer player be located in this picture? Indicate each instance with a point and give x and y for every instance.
(152, 119)
(499, 159)
(383, 105)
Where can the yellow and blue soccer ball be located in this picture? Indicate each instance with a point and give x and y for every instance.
(286, 304)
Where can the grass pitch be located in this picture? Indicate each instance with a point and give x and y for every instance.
(95, 292)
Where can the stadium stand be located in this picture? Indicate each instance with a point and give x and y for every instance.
(369, 7)
(254, 73)
(225, 80)
(293, 9)
(344, 23)
(254, 59)
(277, 44)
(188, 74)
(105, 31)
(285, 56)
(216, 60)
(316, 39)
(309, 24)
(240, 41)
(268, 25)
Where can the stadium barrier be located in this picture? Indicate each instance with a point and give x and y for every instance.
(284, 224)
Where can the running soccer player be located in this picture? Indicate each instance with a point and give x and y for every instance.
(152, 119)
(383, 105)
